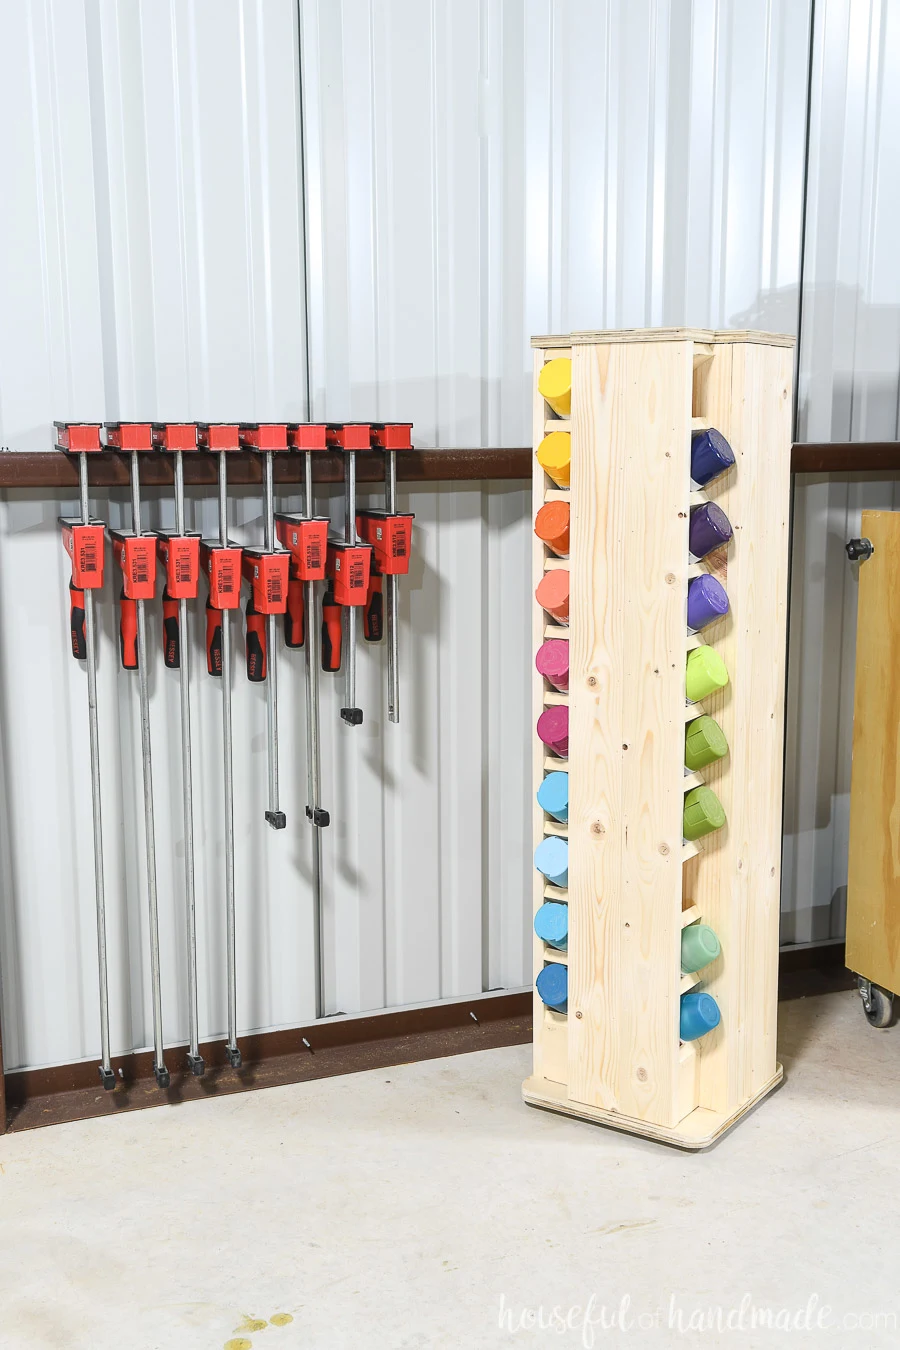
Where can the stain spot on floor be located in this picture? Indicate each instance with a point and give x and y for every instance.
(239, 1343)
(281, 1319)
(252, 1324)
(624, 1227)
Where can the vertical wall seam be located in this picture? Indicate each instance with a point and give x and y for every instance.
(804, 213)
(304, 207)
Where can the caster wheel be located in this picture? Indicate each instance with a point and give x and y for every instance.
(878, 1004)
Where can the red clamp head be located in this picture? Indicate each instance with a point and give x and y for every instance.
(129, 435)
(349, 567)
(349, 436)
(78, 438)
(306, 540)
(263, 438)
(84, 545)
(268, 577)
(390, 535)
(180, 555)
(216, 436)
(222, 565)
(308, 436)
(172, 436)
(392, 435)
(136, 555)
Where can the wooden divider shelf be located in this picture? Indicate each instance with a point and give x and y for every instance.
(634, 883)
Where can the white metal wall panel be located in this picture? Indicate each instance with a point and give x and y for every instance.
(848, 390)
(850, 358)
(475, 171)
(664, 152)
(480, 170)
(151, 265)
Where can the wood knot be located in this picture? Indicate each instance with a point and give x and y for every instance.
(578, 1015)
(592, 681)
(642, 1074)
(597, 828)
(664, 849)
(670, 578)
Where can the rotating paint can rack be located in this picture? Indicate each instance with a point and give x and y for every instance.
(661, 493)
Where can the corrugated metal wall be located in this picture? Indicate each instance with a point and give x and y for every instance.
(151, 264)
(848, 390)
(190, 237)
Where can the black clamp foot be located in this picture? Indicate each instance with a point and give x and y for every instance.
(352, 716)
(161, 1074)
(318, 815)
(196, 1065)
(276, 819)
(107, 1078)
(234, 1056)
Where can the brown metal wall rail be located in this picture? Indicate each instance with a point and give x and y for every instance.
(331, 1047)
(52, 469)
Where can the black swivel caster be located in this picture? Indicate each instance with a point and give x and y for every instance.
(878, 1003)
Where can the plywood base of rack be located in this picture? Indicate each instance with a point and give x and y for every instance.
(698, 1130)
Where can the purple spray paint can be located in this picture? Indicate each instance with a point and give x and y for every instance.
(709, 528)
(711, 455)
(706, 601)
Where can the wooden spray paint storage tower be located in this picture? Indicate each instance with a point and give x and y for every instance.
(615, 1056)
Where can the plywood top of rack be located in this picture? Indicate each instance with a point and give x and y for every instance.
(664, 335)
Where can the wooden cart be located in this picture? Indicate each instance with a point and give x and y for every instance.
(873, 882)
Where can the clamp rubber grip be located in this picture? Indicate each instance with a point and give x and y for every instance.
(128, 632)
(213, 639)
(255, 644)
(171, 633)
(76, 622)
(294, 616)
(373, 614)
(332, 624)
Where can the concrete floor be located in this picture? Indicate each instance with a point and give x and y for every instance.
(425, 1206)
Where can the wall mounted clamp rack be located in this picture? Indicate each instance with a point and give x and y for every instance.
(632, 1029)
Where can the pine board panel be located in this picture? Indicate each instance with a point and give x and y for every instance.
(629, 551)
(745, 392)
(651, 335)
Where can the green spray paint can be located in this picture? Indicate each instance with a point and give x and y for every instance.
(704, 743)
(699, 946)
(703, 813)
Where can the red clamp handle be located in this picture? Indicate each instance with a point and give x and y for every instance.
(180, 555)
(85, 547)
(349, 567)
(306, 540)
(268, 577)
(223, 571)
(390, 535)
(136, 556)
